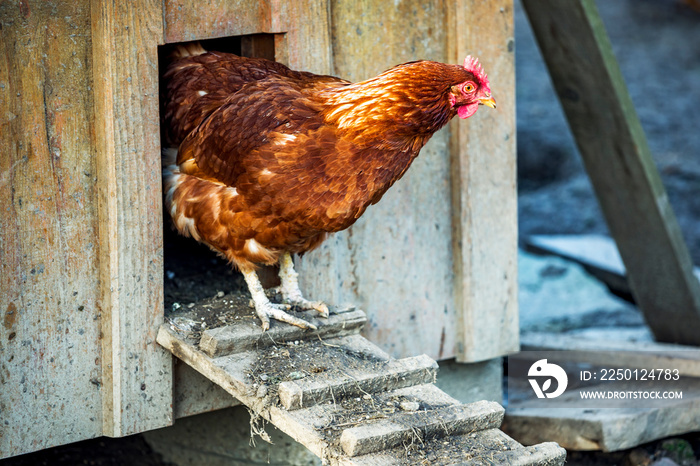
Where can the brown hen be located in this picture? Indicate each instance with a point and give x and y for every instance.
(270, 160)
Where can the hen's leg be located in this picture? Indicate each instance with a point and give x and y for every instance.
(290, 287)
(267, 310)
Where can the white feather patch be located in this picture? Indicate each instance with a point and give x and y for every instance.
(186, 225)
(284, 139)
(254, 248)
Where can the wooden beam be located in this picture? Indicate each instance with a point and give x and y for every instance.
(137, 373)
(484, 200)
(610, 138)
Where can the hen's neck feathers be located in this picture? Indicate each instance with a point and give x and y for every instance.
(408, 101)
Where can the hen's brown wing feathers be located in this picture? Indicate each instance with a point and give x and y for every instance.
(266, 112)
(199, 84)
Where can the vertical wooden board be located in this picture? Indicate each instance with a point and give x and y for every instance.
(307, 37)
(49, 314)
(137, 372)
(611, 140)
(484, 187)
(187, 20)
(396, 261)
(370, 37)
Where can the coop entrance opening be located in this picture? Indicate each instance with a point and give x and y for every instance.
(193, 272)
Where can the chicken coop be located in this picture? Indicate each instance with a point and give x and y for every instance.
(82, 229)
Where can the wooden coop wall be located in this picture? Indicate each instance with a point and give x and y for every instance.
(81, 266)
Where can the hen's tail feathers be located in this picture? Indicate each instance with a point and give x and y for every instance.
(191, 49)
(168, 157)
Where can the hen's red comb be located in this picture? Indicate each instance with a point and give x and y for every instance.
(472, 65)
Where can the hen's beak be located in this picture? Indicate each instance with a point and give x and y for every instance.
(488, 100)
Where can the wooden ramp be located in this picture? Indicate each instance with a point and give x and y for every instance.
(339, 395)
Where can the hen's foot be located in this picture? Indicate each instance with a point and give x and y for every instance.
(289, 289)
(267, 310)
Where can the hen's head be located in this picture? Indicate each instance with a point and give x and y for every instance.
(475, 91)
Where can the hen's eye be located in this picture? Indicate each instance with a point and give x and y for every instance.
(469, 87)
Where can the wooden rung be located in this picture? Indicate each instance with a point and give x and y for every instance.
(477, 448)
(618, 353)
(411, 427)
(395, 373)
(246, 335)
(379, 421)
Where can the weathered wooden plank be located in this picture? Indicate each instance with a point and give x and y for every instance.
(331, 421)
(136, 372)
(49, 278)
(395, 430)
(306, 44)
(610, 138)
(615, 354)
(302, 31)
(478, 448)
(188, 20)
(607, 429)
(195, 394)
(246, 335)
(395, 262)
(484, 198)
(397, 373)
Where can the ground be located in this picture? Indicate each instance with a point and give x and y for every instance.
(656, 43)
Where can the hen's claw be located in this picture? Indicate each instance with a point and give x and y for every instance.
(303, 303)
(268, 310)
